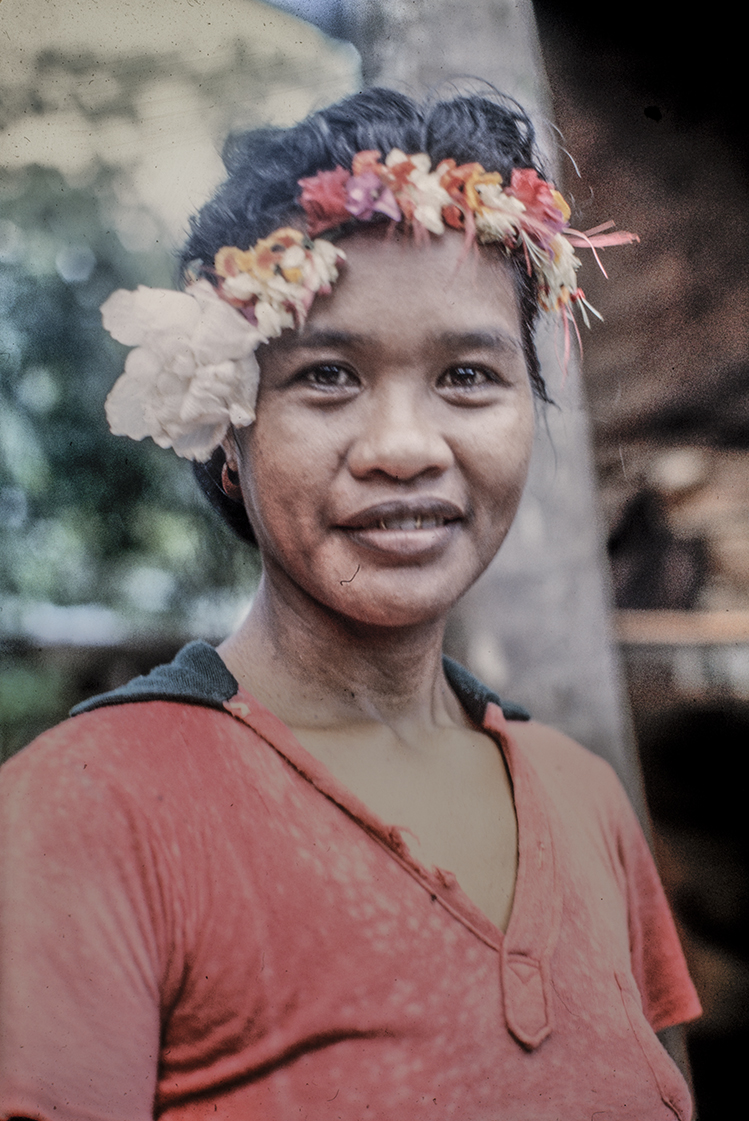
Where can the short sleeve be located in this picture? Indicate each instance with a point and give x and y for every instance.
(658, 965)
(81, 940)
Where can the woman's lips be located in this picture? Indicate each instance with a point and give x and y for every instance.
(404, 529)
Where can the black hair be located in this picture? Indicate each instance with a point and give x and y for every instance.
(261, 192)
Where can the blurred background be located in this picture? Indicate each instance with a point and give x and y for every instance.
(112, 121)
(113, 126)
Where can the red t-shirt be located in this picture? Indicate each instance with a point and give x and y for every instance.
(197, 921)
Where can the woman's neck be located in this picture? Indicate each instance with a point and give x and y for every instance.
(373, 706)
(317, 670)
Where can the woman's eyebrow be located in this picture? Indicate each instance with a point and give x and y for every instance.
(489, 339)
(320, 339)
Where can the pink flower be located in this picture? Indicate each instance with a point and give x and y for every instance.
(324, 200)
(544, 216)
(367, 194)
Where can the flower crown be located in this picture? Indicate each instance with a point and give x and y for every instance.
(194, 372)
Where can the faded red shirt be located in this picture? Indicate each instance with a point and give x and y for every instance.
(198, 922)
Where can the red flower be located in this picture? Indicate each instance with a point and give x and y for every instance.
(541, 201)
(324, 200)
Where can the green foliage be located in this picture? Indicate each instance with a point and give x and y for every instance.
(31, 698)
(87, 517)
(109, 555)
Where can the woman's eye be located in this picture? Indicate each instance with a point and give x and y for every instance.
(330, 376)
(466, 377)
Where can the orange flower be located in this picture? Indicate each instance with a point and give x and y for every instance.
(396, 174)
(479, 178)
(454, 178)
(230, 260)
(369, 160)
(460, 183)
(269, 251)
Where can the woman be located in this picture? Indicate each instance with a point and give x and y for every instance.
(322, 872)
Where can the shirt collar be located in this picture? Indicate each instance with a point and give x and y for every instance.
(198, 676)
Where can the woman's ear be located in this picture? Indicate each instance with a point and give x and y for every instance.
(230, 470)
(229, 444)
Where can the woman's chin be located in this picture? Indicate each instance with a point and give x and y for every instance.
(398, 600)
(378, 576)
(388, 578)
(403, 617)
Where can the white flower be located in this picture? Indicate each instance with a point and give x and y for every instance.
(320, 269)
(561, 273)
(294, 257)
(193, 372)
(396, 156)
(424, 189)
(272, 319)
(130, 316)
(243, 286)
(430, 197)
(430, 200)
(499, 217)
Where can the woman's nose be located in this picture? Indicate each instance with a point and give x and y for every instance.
(399, 437)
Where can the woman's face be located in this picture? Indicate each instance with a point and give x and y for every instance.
(393, 432)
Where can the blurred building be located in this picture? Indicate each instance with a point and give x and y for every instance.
(650, 107)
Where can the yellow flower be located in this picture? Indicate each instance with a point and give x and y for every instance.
(561, 202)
(230, 260)
(479, 179)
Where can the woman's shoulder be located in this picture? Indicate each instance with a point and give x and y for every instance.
(569, 770)
(562, 764)
(554, 748)
(121, 756)
(151, 724)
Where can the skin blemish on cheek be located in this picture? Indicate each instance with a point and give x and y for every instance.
(351, 580)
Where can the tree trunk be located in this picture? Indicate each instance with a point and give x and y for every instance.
(535, 627)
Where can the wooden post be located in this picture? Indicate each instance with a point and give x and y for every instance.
(535, 627)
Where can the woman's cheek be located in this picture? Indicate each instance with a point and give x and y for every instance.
(285, 497)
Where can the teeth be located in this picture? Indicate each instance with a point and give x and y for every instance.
(418, 521)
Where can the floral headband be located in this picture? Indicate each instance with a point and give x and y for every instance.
(194, 372)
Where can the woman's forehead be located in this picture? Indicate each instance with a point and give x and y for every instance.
(428, 283)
